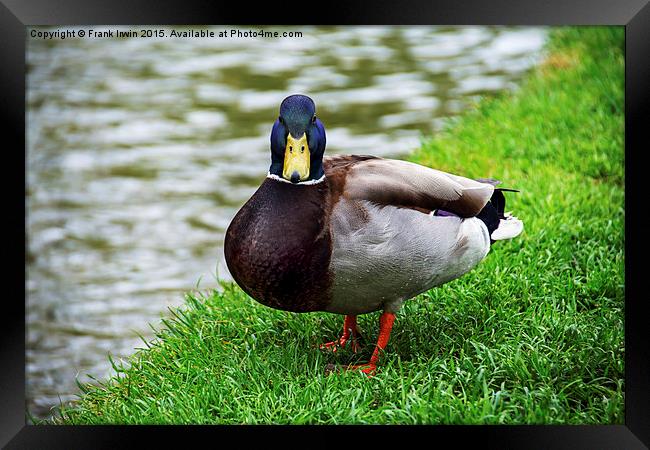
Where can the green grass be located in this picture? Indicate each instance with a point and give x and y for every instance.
(533, 335)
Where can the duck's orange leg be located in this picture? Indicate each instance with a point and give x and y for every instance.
(350, 329)
(385, 326)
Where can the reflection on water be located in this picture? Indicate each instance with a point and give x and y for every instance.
(141, 150)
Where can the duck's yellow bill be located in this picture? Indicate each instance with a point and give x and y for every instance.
(296, 159)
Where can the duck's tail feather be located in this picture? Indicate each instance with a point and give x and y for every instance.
(509, 228)
(500, 224)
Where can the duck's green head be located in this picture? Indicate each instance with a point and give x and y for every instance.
(297, 141)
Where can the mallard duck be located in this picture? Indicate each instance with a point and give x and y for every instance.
(355, 234)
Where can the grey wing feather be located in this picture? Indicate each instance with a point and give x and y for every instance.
(491, 181)
(406, 184)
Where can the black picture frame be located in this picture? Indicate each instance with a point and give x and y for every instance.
(634, 15)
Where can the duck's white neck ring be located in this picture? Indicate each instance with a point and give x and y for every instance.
(300, 183)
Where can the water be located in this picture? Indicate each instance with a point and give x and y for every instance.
(141, 150)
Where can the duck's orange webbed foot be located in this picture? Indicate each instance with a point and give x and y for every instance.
(350, 330)
(370, 368)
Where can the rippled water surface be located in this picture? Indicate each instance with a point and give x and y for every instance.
(141, 150)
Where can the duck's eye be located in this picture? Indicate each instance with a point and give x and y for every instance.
(302, 149)
(280, 119)
(313, 119)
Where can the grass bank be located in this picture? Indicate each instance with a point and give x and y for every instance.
(533, 335)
